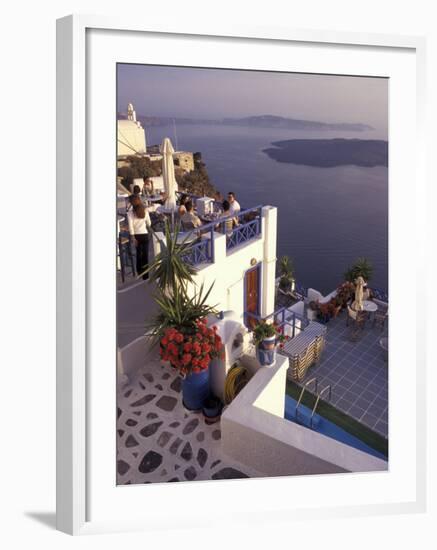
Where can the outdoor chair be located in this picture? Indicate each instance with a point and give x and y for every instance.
(380, 317)
(358, 317)
(358, 321)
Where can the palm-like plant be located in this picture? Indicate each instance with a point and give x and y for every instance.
(169, 269)
(361, 268)
(286, 270)
(179, 310)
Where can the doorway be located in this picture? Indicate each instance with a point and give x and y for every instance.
(252, 286)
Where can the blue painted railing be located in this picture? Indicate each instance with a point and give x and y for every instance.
(244, 233)
(380, 294)
(203, 251)
(200, 252)
(300, 290)
(282, 317)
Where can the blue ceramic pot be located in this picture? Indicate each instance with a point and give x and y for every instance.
(266, 358)
(195, 389)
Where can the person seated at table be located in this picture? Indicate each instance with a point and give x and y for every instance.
(148, 190)
(227, 213)
(182, 205)
(189, 220)
(218, 197)
(139, 223)
(234, 204)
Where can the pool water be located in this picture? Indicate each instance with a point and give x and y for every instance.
(326, 427)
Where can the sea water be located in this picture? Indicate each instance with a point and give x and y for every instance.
(327, 217)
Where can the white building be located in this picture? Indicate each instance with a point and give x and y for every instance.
(241, 266)
(131, 136)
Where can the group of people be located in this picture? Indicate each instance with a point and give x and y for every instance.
(139, 221)
(229, 209)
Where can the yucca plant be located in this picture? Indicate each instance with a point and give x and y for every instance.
(286, 270)
(169, 269)
(362, 267)
(180, 310)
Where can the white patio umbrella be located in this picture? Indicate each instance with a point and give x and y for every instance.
(170, 184)
(359, 289)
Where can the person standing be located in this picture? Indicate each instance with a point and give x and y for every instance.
(234, 204)
(139, 222)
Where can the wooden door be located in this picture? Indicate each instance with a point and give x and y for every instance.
(251, 284)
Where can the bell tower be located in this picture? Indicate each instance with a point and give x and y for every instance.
(131, 114)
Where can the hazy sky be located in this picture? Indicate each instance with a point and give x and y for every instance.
(216, 93)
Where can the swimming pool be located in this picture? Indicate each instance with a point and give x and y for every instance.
(326, 427)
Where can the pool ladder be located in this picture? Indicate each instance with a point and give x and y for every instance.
(318, 397)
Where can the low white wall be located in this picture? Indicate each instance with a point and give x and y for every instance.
(271, 398)
(316, 296)
(132, 357)
(255, 433)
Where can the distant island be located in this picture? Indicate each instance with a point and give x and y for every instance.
(328, 153)
(261, 121)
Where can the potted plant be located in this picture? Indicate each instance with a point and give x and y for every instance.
(187, 342)
(344, 293)
(266, 336)
(335, 306)
(212, 408)
(286, 271)
(361, 268)
(170, 270)
(190, 351)
(185, 339)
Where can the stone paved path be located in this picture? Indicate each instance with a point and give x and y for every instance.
(159, 441)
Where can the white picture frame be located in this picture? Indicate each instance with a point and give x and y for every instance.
(74, 342)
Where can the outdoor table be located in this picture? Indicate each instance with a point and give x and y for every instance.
(188, 239)
(208, 219)
(370, 306)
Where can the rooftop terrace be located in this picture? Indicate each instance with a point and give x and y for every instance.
(160, 441)
(357, 372)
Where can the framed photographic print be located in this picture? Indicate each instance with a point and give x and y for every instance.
(236, 322)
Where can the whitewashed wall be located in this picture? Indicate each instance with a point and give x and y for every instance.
(255, 433)
(130, 133)
(228, 270)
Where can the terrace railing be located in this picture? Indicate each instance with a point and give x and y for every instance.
(283, 318)
(200, 252)
(249, 228)
(244, 233)
(380, 294)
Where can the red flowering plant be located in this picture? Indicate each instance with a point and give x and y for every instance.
(280, 336)
(191, 350)
(185, 338)
(267, 330)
